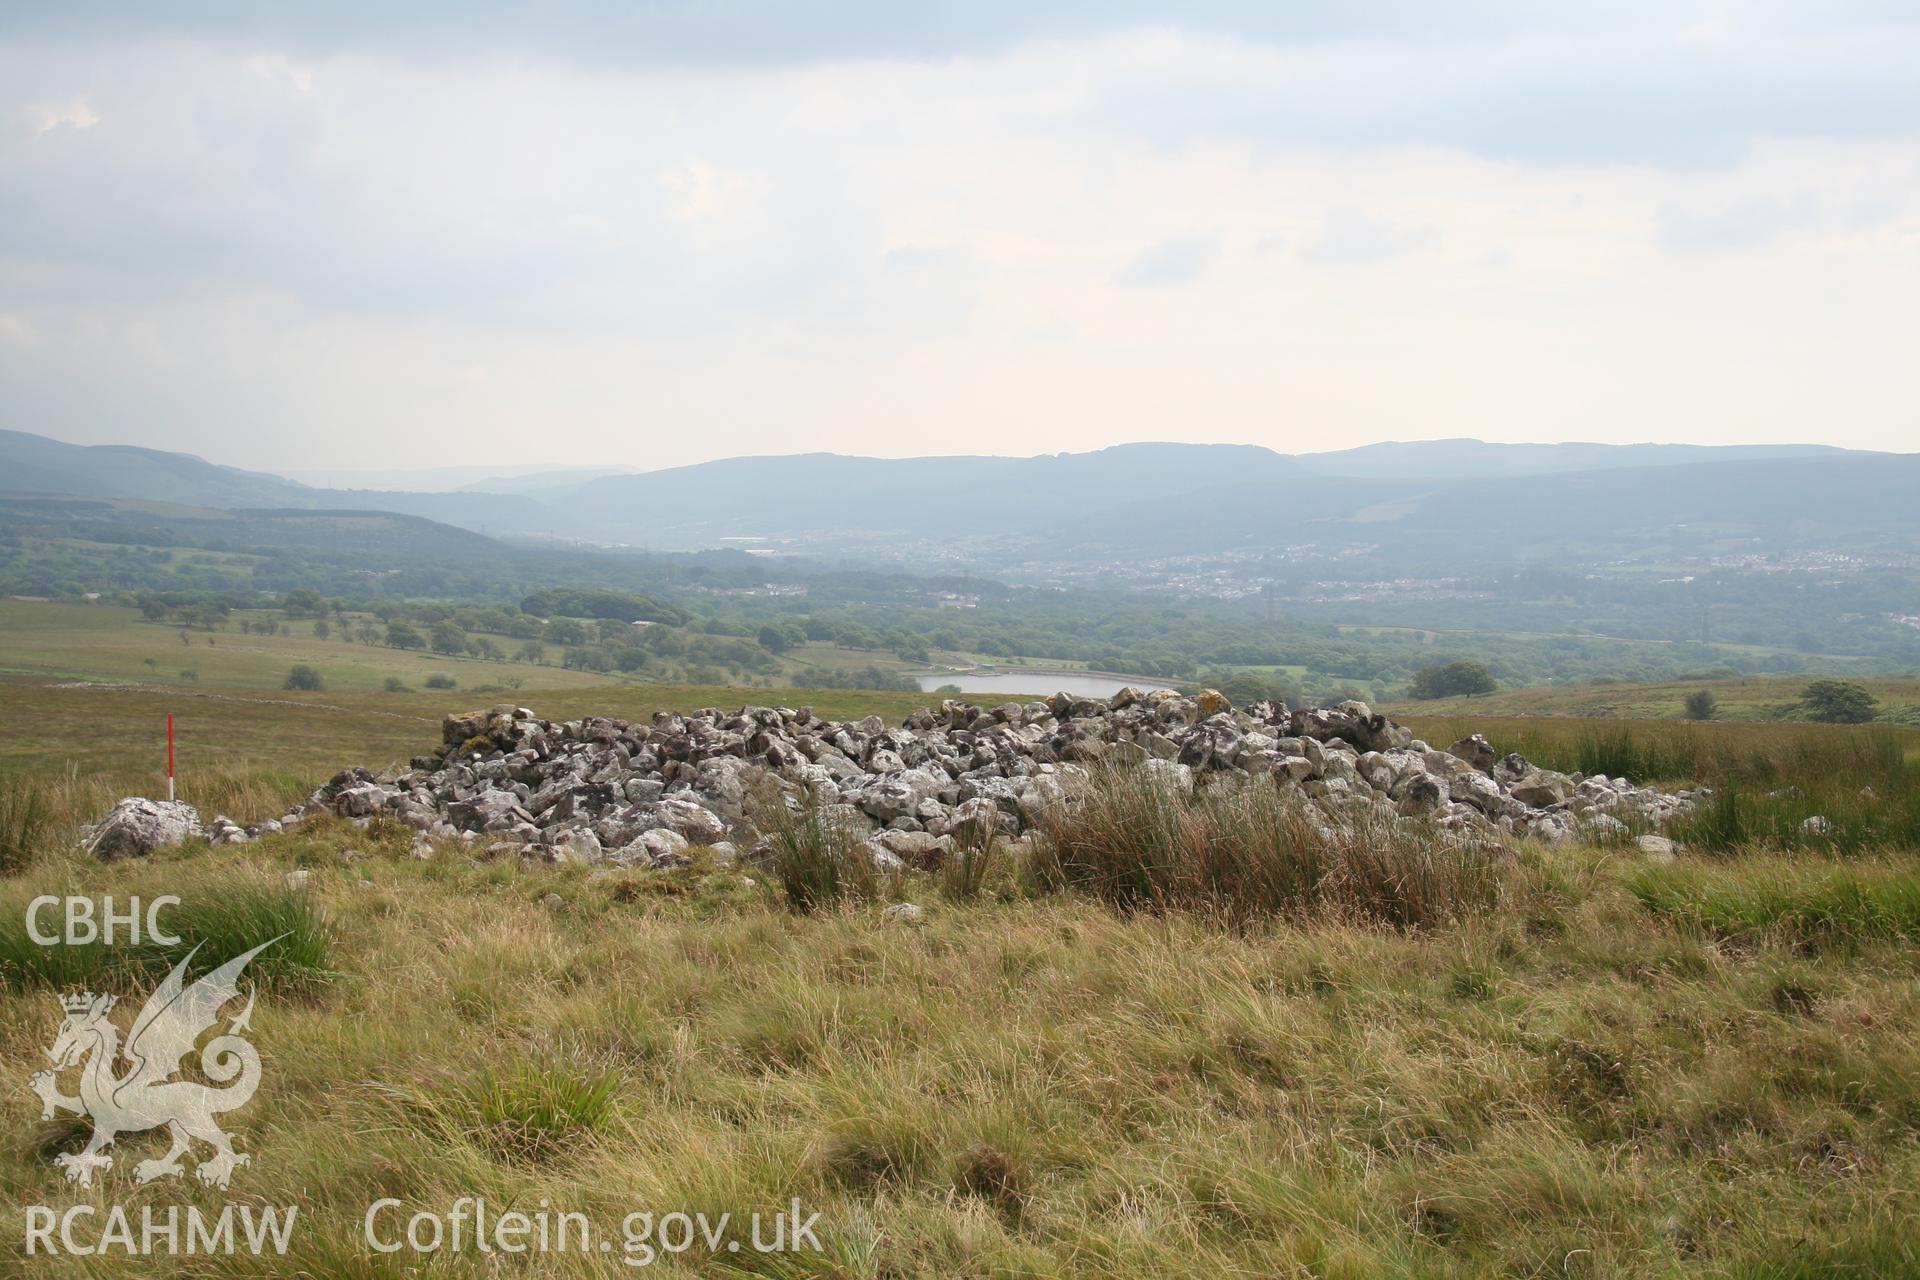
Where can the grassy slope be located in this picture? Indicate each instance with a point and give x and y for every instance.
(102, 642)
(1575, 1085)
(1745, 699)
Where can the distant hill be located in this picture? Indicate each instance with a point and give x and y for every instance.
(36, 464)
(1479, 460)
(149, 523)
(31, 464)
(1744, 504)
(819, 493)
(1423, 503)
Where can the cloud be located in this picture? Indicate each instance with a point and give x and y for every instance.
(75, 113)
(1175, 260)
(1355, 236)
(1748, 223)
(891, 241)
(1676, 83)
(700, 191)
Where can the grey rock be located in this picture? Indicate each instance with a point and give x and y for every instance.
(136, 827)
(1657, 848)
(1476, 751)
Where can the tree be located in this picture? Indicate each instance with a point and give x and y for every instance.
(449, 638)
(401, 635)
(566, 631)
(301, 602)
(1452, 680)
(320, 629)
(1702, 705)
(1837, 702)
(304, 678)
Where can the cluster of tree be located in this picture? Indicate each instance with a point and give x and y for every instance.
(617, 606)
(1838, 702)
(1462, 679)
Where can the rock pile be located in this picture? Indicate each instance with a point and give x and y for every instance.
(599, 789)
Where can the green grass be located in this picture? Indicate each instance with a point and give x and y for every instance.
(1862, 781)
(25, 816)
(1746, 698)
(248, 911)
(820, 864)
(1812, 902)
(104, 642)
(534, 1108)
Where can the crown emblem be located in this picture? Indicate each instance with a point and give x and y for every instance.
(77, 1002)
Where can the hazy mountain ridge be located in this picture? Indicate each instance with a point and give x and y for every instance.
(1466, 459)
(1425, 501)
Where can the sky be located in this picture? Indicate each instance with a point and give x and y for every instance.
(358, 236)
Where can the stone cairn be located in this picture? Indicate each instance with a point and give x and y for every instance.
(600, 790)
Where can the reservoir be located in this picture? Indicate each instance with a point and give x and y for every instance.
(1037, 684)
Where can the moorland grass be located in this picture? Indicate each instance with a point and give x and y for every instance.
(1245, 852)
(533, 1108)
(248, 910)
(1769, 780)
(1810, 901)
(25, 816)
(819, 863)
(1573, 1084)
(1564, 1063)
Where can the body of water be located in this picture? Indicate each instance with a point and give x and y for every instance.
(1038, 685)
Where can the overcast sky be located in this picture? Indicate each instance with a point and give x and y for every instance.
(312, 236)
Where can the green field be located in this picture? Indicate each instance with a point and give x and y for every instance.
(101, 642)
(1753, 698)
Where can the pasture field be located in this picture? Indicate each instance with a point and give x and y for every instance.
(53, 640)
(1753, 698)
(105, 642)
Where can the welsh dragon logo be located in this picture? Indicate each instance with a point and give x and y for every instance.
(147, 1097)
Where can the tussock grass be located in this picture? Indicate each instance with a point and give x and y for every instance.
(532, 1108)
(820, 863)
(25, 817)
(222, 917)
(975, 860)
(1817, 903)
(1247, 853)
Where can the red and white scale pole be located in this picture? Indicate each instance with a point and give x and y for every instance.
(169, 757)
